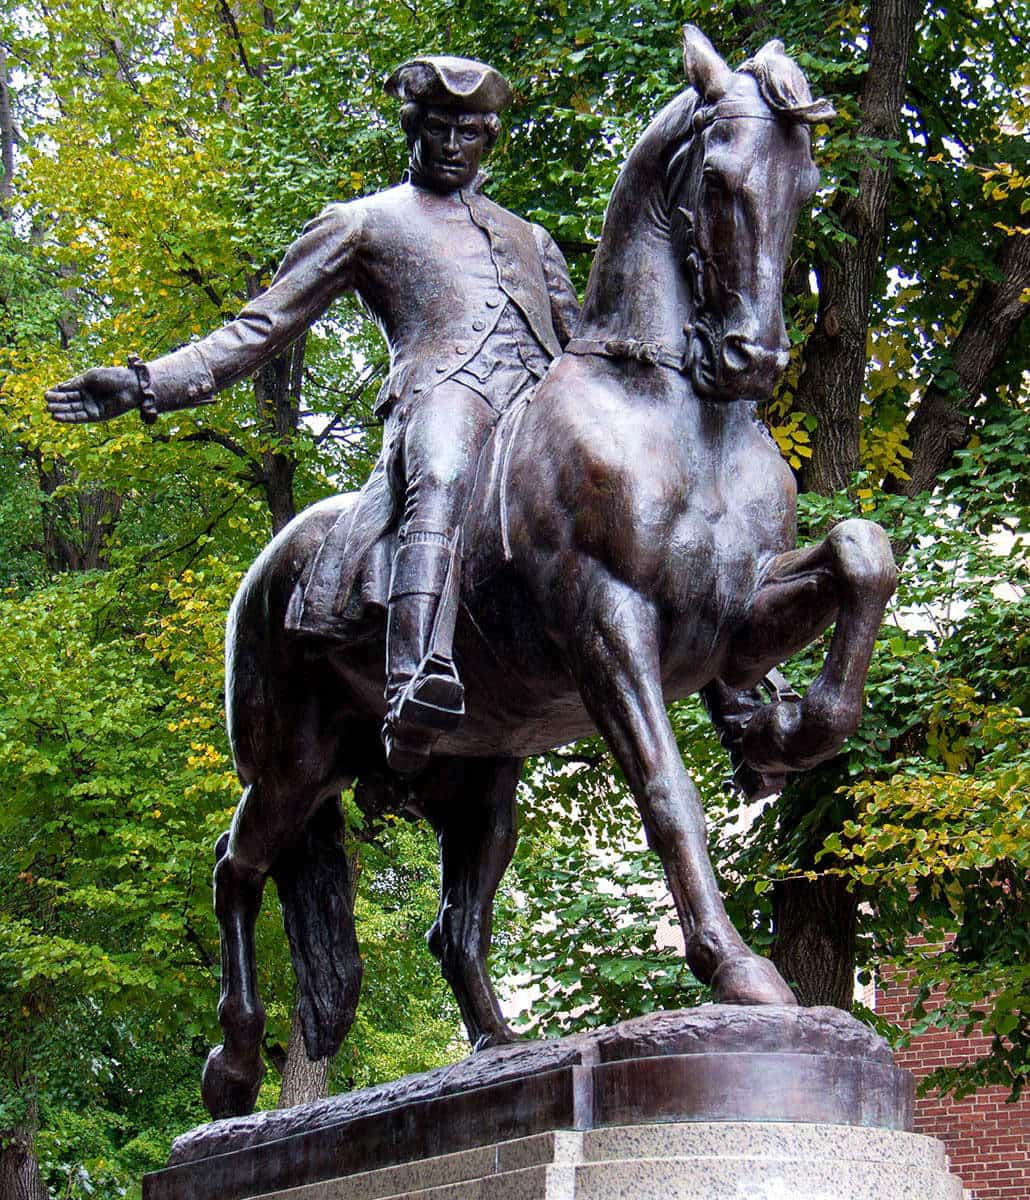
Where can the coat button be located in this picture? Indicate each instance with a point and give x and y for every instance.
(441, 367)
(493, 301)
(461, 348)
(479, 325)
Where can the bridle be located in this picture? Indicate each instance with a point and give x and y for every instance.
(657, 353)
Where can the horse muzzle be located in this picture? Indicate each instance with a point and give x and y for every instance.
(733, 367)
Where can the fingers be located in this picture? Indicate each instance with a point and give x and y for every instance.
(70, 406)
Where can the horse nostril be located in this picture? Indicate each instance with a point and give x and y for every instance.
(736, 353)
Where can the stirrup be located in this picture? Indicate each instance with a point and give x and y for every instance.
(433, 698)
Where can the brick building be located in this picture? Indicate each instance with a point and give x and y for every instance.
(987, 1140)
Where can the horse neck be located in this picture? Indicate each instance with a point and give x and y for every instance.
(637, 289)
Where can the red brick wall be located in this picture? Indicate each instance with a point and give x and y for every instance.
(988, 1141)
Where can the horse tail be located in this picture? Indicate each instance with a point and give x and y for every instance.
(314, 879)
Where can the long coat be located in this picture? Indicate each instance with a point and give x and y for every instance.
(433, 270)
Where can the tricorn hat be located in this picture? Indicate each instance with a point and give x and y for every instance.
(448, 82)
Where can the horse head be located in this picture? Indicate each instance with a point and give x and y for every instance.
(735, 187)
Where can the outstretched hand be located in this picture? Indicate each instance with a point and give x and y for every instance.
(96, 395)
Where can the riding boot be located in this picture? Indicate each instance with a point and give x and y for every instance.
(425, 697)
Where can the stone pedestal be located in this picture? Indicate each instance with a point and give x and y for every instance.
(716, 1102)
(696, 1161)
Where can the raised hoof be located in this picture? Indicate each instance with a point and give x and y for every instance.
(228, 1092)
(750, 979)
(755, 785)
(496, 1037)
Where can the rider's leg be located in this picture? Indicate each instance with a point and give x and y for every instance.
(443, 437)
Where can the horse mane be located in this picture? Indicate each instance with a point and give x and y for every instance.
(781, 84)
(784, 87)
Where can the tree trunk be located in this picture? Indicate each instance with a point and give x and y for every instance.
(6, 138)
(814, 929)
(19, 1170)
(940, 425)
(831, 382)
(75, 529)
(815, 921)
(303, 1078)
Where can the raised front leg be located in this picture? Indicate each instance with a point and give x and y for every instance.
(848, 578)
(616, 662)
(471, 804)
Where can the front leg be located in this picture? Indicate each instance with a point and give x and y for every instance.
(847, 578)
(615, 658)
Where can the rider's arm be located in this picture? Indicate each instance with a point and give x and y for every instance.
(564, 303)
(318, 267)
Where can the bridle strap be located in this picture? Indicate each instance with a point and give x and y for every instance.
(649, 354)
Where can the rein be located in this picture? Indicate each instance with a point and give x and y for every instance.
(650, 354)
(655, 353)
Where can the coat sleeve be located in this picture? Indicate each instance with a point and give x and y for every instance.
(318, 267)
(564, 302)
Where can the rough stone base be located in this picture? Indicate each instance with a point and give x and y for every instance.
(716, 1067)
(682, 1161)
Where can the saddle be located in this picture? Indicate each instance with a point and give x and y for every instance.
(343, 590)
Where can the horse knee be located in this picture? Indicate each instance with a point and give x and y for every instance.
(672, 815)
(864, 555)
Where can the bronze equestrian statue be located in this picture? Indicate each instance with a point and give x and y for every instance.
(630, 540)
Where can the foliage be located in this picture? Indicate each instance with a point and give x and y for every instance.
(167, 153)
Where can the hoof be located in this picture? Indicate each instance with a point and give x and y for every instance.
(496, 1037)
(228, 1092)
(750, 980)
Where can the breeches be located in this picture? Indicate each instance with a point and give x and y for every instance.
(440, 438)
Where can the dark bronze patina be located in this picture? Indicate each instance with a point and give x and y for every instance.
(630, 538)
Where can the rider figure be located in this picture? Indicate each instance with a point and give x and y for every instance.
(474, 303)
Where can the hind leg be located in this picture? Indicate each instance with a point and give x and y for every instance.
(471, 805)
(267, 819)
(847, 579)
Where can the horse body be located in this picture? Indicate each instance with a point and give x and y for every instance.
(630, 541)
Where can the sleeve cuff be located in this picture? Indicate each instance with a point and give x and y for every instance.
(181, 380)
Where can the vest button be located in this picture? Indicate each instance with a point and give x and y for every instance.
(441, 367)
(493, 301)
(461, 348)
(479, 324)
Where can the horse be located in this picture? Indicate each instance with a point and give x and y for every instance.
(631, 541)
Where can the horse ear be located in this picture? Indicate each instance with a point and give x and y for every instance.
(705, 69)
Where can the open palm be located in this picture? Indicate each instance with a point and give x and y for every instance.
(96, 395)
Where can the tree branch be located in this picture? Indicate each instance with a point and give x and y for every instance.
(234, 29)
(940, 425)
(218, 439)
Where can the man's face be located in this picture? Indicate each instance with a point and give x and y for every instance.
(448, 148)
